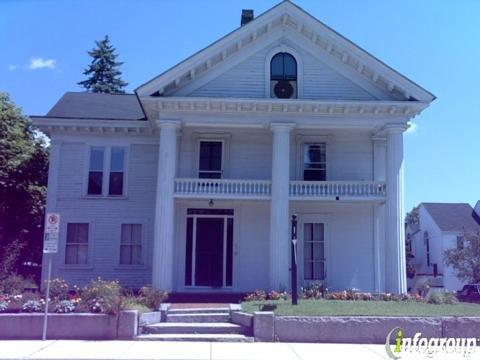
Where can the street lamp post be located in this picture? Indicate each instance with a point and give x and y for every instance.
(294, 261)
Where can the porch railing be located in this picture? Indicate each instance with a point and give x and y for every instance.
(350, 189)
(261, 189)
(223, 188)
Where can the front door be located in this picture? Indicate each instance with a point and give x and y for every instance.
(209, 248)
(209, 252)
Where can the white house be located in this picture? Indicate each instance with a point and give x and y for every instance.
(441, 226)
(190, 183)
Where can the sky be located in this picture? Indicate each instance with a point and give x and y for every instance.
(436, 43)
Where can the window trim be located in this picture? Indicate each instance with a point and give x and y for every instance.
(314, 218)
(225, 138)
(222, 163)
(301, 141)
(63, 242)
(268, 60)
(145, 244)
(106, 170)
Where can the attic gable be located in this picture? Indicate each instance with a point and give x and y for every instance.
(321, 38)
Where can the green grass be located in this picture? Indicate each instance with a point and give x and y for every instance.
(365, 308)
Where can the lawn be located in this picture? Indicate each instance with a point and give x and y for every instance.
(365, 308)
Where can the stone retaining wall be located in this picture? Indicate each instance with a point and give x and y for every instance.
(74, 326)
(358, 329)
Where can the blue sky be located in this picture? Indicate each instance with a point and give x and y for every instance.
(436, 43)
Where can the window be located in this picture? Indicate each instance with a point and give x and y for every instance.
(76, 251)
(110, 160)
(314, 162)
(131, 244)
(426, 241)
(460, 241)
(283, 76)
(95, 174)
(117, 160)
(210, 162)
(314, 251)
(283, 67)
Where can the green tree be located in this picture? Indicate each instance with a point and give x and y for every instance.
(413, 217)
(103, 74)
(23, 180)
(465, 258)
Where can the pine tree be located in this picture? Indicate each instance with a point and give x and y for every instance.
(103, 72)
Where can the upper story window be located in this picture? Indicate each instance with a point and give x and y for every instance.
(460, 242)
(76, 249)
(314, 162)
(210, 161)
(283, 76)
(426, 241)
(106, 172)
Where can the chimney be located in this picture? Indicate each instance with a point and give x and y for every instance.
(247, 16)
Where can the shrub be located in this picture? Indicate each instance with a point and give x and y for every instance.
(151, 297)
(11, 284)
(257, 295)
(133, 303)
(338, 295)
(277, 295)
(64, 306)
(33, 305)
(313, 291)
(58, 289)
(442, 298)
(101, 296)
(4, 304)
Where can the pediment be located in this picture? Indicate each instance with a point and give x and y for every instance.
(356, 74)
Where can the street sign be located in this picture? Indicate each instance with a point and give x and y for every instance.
(52, 223)
(50, 246)
(51, 233)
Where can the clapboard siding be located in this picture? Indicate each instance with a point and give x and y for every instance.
(247, 79)
(106, 215)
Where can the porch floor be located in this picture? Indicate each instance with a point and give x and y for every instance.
(197, 299)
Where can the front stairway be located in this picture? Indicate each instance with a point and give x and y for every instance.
(196, 324)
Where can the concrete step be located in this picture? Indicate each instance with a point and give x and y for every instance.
(195, 337)
(193, 328)
(198, 317)
(199, 310)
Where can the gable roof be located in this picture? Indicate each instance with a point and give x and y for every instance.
(83, 105)
(322, 38)
(453, 217)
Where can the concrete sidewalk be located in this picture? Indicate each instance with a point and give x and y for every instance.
(65, 349)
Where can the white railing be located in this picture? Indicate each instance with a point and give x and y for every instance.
(223, 188)
(350, 189)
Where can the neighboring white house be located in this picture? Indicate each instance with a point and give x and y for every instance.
(190, 183)
(441, 226)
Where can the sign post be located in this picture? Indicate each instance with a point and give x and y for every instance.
(294, 261)
(50, 247)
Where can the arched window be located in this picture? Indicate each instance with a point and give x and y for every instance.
(283, 76)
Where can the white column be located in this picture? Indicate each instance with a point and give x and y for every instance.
(395, 279)
(379, 163)
(162, 266)
(279, 207)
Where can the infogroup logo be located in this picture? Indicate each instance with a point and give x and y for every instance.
(397, 345)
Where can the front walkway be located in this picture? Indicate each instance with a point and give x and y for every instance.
(66, 349)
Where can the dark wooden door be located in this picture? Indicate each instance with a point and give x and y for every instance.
(209, 252)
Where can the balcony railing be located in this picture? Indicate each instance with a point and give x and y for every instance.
(223, 188)
(333, 189)
(261, 189)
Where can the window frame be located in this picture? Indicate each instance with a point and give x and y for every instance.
(146, 237)
(222, 162)
(307, 144)
(107, 169)
(197, 137)
(63, 242)
(268, 60)
(319, 219)
(301, 140)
